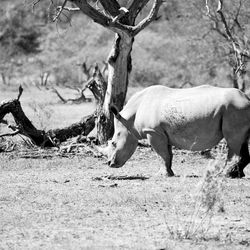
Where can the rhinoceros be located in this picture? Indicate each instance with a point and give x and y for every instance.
(194, 119)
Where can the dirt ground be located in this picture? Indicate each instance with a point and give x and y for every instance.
(52, 200)
(77, 202)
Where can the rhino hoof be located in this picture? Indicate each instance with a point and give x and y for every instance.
(170, 174)
(235, 174)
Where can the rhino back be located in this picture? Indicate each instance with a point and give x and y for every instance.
(191, 118)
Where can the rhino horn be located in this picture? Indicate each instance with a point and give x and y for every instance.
(103, 150)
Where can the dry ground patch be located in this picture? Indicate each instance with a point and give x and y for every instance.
(74, 201)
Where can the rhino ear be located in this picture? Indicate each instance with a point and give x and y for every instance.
(114, 110)
(151, 131)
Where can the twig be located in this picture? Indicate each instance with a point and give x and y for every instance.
(60, 10)
(20, 92)
(123, 12)
(223, 19)
(34, 4)
(10, 134)
(151, 17)
(208, 9)
(60, 97)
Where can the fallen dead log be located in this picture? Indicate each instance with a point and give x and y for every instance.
(55, 137)
(42, 138)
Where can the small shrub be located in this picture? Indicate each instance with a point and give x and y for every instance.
(19, 34)
(208, 202)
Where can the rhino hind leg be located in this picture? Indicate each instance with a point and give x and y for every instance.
(236, 171)
(160, 144)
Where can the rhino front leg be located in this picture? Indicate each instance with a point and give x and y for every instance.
(160, 144)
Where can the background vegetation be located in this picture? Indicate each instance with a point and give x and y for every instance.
(179, 48)
(45, 200)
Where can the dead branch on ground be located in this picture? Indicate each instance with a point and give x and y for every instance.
(54, 137)
(42, 138)
(90, 72)
(82, 98)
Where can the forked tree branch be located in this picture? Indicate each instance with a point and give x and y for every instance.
(223, 19)
(116, 13)
(122, 12)
(111, 7)
(151, 17)
(239, 48)
(236, 21)
(101, 18)
(10, 134)
(60, 10)
(135, 8)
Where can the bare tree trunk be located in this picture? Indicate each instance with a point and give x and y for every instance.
(119, 67)
(121, 20)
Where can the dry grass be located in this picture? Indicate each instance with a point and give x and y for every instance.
(73, 203)
(61, 203)
(208, 201)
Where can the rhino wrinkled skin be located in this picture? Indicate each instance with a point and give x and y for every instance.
(193, 119)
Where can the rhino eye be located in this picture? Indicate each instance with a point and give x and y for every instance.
(113, 144)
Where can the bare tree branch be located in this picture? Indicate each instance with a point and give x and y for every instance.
(122, 12)
(82, 98)
(101, 18)
(135, 8)
(236, 21)
(20, 92)
(223, 19)
(90, 11)
(151, 17)
(10, 134)
(235, 39)
(208, 13)
(97, 85)
(59, 95)
(117, 13)
(111, 7)
(60, 10)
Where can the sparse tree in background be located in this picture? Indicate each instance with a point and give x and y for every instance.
(18, 36)
(227, 25)
(122, 21)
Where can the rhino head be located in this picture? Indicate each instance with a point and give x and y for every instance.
(123, 143)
